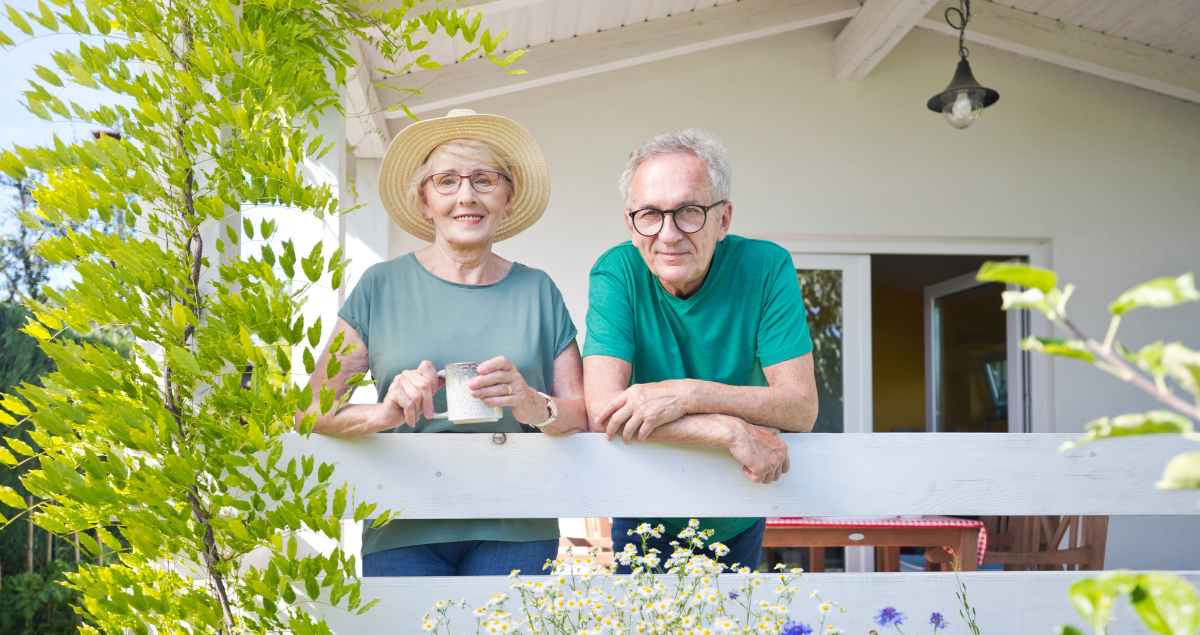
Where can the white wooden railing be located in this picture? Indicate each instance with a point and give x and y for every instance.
(537, 476)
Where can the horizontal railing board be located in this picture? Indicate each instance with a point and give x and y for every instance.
(538, 476)
(1017, 602)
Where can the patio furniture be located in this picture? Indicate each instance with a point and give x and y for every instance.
(1035, 543)
(887, 534)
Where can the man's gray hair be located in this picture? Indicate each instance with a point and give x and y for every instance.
(705, 146)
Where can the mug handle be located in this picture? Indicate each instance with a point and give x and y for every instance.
(441, 415)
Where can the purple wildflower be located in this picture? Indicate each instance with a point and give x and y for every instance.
(937, 620)
(797, 628)
(889, 616)
(733, 595)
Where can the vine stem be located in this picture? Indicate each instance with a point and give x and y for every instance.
(1126, 372)
(195, 250)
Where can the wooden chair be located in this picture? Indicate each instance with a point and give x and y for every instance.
(599, 534)
(1031, 543)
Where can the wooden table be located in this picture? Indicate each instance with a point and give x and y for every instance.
(966, 538)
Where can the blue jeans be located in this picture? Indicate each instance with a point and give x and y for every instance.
(465, 557)
(745, 549)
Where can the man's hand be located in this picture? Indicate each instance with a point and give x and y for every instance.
(641, 408)
(763, 454)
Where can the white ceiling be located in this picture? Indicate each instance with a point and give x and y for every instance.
(1167, 25)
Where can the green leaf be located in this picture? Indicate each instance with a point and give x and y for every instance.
(1183, 365)
(18, 20)
(14, 405)
(29, 220)
(1153, 422)
(1149, 358)
(368, 606)
(20, 446)
(1074, 349)
(1182, 472)
(10, 497)
(5, 41)
(1167, 604)
(339, 501)
(1159, 294)
(1032, 299)
(185, 361)
(310, 364)
(314, 333)
(248, 228)
(48, 76)
(312, 587)
(291, 548)
(1018, 273)
(1093, 597)
(1067, 630)
(324, 472)
(7, 457)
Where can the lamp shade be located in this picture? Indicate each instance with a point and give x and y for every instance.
(963, 81)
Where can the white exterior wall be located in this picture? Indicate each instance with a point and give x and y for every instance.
(1107, 173)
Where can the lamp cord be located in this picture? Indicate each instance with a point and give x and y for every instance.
(963, 13)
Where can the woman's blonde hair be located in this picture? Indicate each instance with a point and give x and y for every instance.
(467, 150)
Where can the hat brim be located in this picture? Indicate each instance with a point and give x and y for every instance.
(412, 146)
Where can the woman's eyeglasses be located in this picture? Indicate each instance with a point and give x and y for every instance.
(483, 181)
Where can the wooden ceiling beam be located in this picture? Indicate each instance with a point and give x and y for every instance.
(1076, 48)
(627, 46)
(873, 33)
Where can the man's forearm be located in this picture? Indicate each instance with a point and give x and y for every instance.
(789, 408)
(700, 429)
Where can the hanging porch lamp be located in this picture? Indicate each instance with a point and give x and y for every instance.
(964, 98)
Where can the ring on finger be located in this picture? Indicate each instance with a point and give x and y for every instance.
(510, 390)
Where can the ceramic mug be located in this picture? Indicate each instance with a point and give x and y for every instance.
(461, 407)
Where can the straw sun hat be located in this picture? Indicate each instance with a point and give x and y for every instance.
(412, 146)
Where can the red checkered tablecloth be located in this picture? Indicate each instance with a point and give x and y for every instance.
(886, 521)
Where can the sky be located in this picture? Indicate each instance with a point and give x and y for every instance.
(19, 127)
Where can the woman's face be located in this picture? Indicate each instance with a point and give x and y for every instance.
(466, 217)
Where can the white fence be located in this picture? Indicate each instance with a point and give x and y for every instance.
(537, 476)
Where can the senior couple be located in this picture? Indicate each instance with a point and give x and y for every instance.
(694, 336)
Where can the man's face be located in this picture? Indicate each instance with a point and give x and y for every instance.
(679, 260)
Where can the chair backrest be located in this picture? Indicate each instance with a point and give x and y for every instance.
(536, 476)
(1047, 543)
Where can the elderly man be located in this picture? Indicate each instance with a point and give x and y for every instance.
(696, 336)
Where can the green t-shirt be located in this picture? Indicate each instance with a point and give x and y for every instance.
(747, 315)
(405, 315)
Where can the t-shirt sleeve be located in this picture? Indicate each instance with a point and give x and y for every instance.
(356, 311)
(783, 330)
(564, 326)
(610, 311)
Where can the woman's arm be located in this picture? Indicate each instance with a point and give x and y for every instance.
(497, 375)
(410, 393)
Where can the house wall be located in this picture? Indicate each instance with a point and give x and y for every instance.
(1105, 172)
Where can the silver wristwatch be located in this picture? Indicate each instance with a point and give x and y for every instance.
(551, 411)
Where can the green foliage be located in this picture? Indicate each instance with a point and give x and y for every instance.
(822, 292)
(38, 603)
(1020, 274)
(1166, 604)
(162, 456)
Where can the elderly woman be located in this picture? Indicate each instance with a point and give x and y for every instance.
(461, 182)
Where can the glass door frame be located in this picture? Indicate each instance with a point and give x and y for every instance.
(1019, 410)
(857, 399)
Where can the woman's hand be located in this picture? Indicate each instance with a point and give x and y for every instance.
(500, 384)
(409, 396)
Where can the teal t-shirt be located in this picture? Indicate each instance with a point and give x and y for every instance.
(405, 315)
(747, 315)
